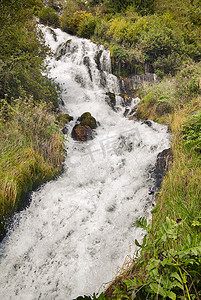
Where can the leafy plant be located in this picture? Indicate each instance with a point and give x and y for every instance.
(172, 272)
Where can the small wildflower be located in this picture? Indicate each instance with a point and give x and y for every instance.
(178, 220)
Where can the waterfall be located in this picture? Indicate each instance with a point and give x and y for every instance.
(78, 229)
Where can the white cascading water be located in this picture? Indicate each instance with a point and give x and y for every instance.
(79, 228)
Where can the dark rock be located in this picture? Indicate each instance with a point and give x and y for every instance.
(86, 119)
(132, 83)
(86, 62)
(125, 100)
(82, 133)
(53, 34)
(126, 112)
(163, 162)
(111, 100)
(65, 130)
(148, 123)
(97, 59)
(151, 192)
(62, 49)
(133, 111)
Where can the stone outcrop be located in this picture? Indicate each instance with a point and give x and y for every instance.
(86, 119)
(131, 83)
(111, 100)
(163, 163)
(82, 133)
(84, 130)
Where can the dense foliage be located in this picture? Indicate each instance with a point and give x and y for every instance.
(22, 54)
(142, 35)
(31, 148)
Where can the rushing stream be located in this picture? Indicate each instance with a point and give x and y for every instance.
(79, 228)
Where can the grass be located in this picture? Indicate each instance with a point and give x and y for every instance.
(180, 194)
(31, 148)
(162, 100)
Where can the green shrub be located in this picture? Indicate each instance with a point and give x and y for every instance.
(87, 26)
(142, 7)
(72, 23)
(119, 53)
(188, 82)
(118, 29)
(49, 17)
(100, 33)
(73, 13)
(25, 79)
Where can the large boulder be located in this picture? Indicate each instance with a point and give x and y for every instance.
(86, 119)
(82, 133)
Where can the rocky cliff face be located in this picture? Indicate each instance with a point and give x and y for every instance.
(132, 83)
(163, 163)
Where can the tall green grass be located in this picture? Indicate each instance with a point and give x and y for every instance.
(160, 101)
(31, 151)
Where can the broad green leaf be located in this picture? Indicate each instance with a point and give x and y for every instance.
(131, 283)
(157, 288)
(171, 295)
(176, 275)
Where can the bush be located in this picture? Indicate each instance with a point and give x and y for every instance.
(100, 33)
(49, 17)
(87, 26)
(25, 79)
(73, 11)
(118, 30)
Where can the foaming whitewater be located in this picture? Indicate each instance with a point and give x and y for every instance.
(79, 229)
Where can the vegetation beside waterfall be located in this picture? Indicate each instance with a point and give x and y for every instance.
(31, 146)
(143, 36)
(153, 36)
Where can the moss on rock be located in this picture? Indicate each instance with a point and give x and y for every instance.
(87, 120)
